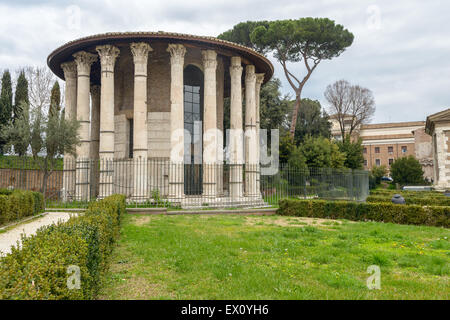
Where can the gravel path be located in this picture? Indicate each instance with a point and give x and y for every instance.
(10, 237)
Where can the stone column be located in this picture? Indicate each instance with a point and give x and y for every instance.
(236, 133)
(108, 55)
(220, 130)
(251, 156)
(84, 60)
(259, 81)
(95, 122)
(95, 137)
(140, 142)
(441, 148)
(176, 170)
(209, 124)
(70, 113)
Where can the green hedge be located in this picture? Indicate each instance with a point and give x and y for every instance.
(418, 194)
(411, 199)
(17, 204)
(358, 211)
(39, 269)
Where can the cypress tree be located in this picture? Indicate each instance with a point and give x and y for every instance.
(55, 100)
(21, 101)
(6, 105)
(21, 98)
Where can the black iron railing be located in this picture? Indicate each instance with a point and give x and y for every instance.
(160, 183)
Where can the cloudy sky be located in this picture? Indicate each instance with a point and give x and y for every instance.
(401, 49)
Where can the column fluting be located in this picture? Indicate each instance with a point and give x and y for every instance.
(140, 142)
(84, 60)
(108, 55)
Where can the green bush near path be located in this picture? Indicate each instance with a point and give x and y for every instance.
(40, 269)
(18, 204)
(412, 199)
(438, 216)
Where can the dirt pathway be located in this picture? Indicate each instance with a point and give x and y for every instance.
(11, 236)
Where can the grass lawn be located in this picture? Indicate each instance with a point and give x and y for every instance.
(273, 257)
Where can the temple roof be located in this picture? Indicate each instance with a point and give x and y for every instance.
(442, 116)
(227, 48)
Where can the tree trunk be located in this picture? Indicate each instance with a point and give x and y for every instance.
(44, 184)
(295, 115)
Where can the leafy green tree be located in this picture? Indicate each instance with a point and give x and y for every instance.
(274, 107)
(320, 152)
(55, 100)
(6, 105)
(407, 170)
(48, 136)
(286, 147)
(377, 173)
(310, 40)
(241, 34)
(296, 158)
(21, 108)
(354, 158)
(312, 121)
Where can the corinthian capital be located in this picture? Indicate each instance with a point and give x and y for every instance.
(259, 79)
(235, 67)
(250, 75)
(108, 55)
(209, 59)
(69, 69)
(84, 60)
(177, 52)
(140, 52)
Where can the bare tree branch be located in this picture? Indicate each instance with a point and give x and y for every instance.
(351, 105)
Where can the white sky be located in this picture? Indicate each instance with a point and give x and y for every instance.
(401, 49)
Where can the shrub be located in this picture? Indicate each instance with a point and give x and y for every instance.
(377, 173)
(412, 199)
(382, 211)
(407, 170)
(17, 204)
(39, 270)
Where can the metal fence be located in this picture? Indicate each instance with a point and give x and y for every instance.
(160, 183)
(311, 183)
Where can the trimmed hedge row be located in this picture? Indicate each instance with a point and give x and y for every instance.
(17, 204)
(358, 211)
(40, 269)
(438, 201)
(407, 193)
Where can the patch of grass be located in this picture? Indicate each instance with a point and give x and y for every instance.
(238, 257)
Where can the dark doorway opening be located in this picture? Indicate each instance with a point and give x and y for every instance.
(130, 138)
(193, 126)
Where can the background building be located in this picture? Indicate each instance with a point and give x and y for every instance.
(385, 142)
(438, 127)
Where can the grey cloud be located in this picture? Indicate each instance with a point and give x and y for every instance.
(405, 62)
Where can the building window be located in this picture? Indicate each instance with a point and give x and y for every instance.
(365, 150)
(391, 161)
(377, 149)
(404, 149)
(391, 150)
(377, 162)
(365, 163)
